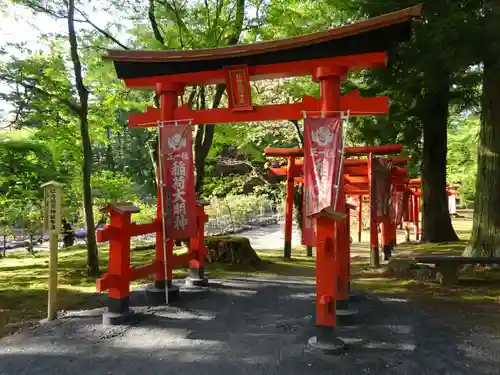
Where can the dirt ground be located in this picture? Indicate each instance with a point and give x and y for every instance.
(261, 325)
(250, 326)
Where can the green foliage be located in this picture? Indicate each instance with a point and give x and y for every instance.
(112, 186)
(38, 85)
(462, 155)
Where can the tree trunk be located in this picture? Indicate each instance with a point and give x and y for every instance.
(92, 254)
(485, 238)
(436, 219)
(109, 150)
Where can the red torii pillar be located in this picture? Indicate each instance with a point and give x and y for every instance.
(328, 231)
(415, 185)
(360, 217)
(356, 166)
(291, 172)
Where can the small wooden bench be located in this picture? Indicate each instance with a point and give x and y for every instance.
(447, 266)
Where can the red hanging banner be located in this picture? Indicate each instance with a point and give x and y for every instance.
(178, 178)
(322, 164)
(398, 206)
(380, 196)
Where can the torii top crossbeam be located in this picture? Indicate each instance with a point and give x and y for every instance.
(334, 52)
(203, 66)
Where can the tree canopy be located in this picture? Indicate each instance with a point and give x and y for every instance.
(71, 110)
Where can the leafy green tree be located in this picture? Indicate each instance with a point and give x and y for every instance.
(462, 155)
(427, 78)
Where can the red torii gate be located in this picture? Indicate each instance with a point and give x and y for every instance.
(295, 169)
(356, 173)
(326, 56)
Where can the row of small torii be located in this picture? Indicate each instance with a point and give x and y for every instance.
(400, 200)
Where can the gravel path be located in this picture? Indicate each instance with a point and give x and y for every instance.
(248, 326)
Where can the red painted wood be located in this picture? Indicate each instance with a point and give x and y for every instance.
(289, 203)
(106, 282)
(325, 277)
(197, 248)
(143, 271)
(119, 255)
(360, 217)
(416, 217)
(177, 260)
(141, 229)
(272, 71)
(357, 105)
(343, 250)
(373, 221)
(349, 151)
(327, 243)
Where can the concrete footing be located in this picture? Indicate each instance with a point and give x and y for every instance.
(326, 341)
(156, 293)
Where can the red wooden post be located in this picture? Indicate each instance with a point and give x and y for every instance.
(360, 218)
(416, 216)
(117, 280)
(348, 243)
(159, 282)
(406, 214)
(342, 257)
(156, 293)
(411, 212)
(198, 250)
(326, 267)
(374, 254)
(289, 207)
(119, 259)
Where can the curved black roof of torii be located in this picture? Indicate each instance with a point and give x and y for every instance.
(377, 34)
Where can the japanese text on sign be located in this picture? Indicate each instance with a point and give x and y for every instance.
(52, 208)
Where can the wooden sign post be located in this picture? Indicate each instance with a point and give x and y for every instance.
(52, 226)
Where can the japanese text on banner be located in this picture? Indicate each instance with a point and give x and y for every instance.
(178, 175)
(322, 158)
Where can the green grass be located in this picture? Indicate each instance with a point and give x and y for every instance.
(447, 248)
(23, 281)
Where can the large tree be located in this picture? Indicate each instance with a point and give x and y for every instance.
(427, 77)
(74, 97)
(485, 239)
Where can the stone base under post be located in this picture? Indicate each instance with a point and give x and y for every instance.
(118, 311)
(326, 340)
(156, 292)
(345, 314)
(196, 277)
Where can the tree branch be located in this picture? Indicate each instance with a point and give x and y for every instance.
(70, 104)
(300, 136)
(154, 24)
(102, 31)
(77, 65)
(180, 24)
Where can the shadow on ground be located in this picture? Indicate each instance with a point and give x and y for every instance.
(246, 326)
